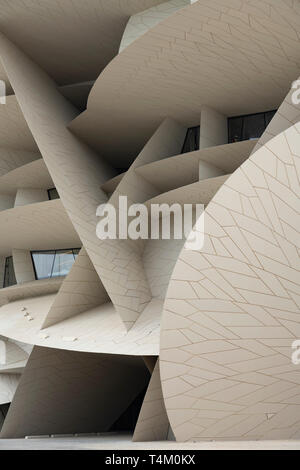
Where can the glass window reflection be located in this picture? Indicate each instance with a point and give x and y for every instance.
(53, 263)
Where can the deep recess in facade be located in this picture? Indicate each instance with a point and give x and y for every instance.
(179, 101)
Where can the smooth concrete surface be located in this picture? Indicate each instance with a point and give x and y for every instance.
(112, 441)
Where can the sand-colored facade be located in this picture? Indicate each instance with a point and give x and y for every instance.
(170, 343)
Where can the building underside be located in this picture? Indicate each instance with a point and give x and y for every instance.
(179, 101)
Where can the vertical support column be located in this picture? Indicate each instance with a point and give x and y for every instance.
(213, 128)
(23, 266)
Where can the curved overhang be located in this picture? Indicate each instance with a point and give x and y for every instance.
(40, 226)
(30, 289)
(99, 329)
(141, 22)
(200, 192)
(237, 59)
(14, 131)
(33, 175)
(11, 159)
(90, 33)
(232, 309)
(173, 172)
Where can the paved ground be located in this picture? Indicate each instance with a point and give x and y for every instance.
(123, 442)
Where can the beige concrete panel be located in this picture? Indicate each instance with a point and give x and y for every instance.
(81, 290)
(27, 348)
(226, 342)
(73, 175)
(39, 226)
(206, 171)
(14, 359)
(8, 386)
(14, 131)
(220, 56)
(4, 78)
(33, 175)
(166, 140)
(28, 290)
(159, 259)
(98, 329)
(23, 266)
(69, 392)
(153, 423)
(6, 201)
(11, 159)
(140, 23)
(180, 170)
(90, 32)
(26, 196)
(200, 192)
(287, 114)
(160, 256)
(213, 128)
(109, 186)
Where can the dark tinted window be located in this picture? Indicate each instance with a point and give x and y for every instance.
(191, 141)
(53, 263)
(53, 194)
(269, 116)
(250, 126)
(9, 273)
(254, 126)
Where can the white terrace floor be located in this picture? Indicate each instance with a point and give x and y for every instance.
(123, 442)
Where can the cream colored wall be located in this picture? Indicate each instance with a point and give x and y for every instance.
(10, 159)
(30, 196)
(140, 23)
(97, 330)
(32, 226)
(8, 386)
(231, 313)
(6, 201)
(213, 128)
(168, 71)
(153, 423)
(166, 141)
(159, 259)
(287, 114)
(23, 266)
(210, 291)
(206, 170)
(13, 358)
(81, 290)
(91, 25)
